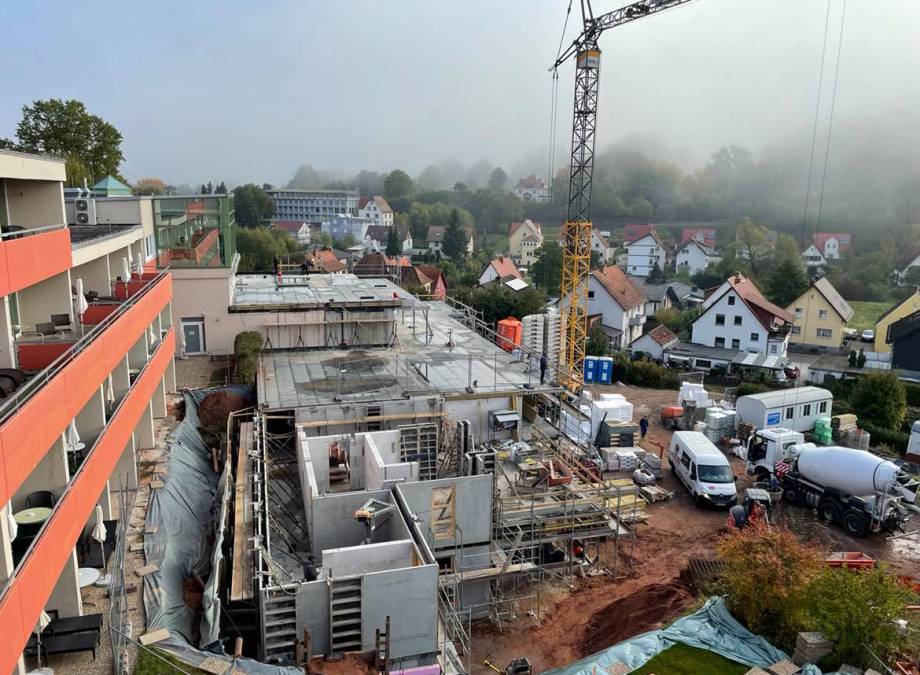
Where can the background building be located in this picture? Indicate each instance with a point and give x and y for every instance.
(820, 316)
(377, 210)
(313, 206)
(532, 189)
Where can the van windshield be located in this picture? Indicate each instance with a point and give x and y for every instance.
(715, 474)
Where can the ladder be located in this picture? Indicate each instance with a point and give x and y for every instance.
(279, 624)
(345, 615)
(382, 649)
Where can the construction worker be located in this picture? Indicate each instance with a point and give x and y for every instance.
(543, 364)
(643, 427)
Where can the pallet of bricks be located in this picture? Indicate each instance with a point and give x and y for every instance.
(719, 424)
(845, 432)
(622, 434)
(532, 333)
(553, 336)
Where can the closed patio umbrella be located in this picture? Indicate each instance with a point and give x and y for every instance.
(72, 435)
(80, 305)
(99, 534)
(139, 265)
(125, 270)
(109, 390)
(43, 621)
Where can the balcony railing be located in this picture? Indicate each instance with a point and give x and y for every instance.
(19, 232)
(29, 256)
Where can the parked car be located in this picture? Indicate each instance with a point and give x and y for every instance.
(868, 335)
(851, 333)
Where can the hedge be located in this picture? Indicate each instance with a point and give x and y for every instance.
(247, 347)
(896, 440)
(913, 394)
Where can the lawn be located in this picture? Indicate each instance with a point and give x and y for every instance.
(865, 314)
(683, 660)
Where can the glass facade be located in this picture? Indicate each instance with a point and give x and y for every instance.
(194, 231)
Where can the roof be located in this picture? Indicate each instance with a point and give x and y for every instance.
(707, 250)
(762, 308)
(903, 327)
(532, 238)
(516, 284)
(825, 288)
(531, 182)
(504, 268)
(432, 272)
(699, 443)
(414, 276)
(896, 305)
(843, 239)
(634, 231)
(378, 200)
(619, 286)
(111, 186)
(661, 334)
(706, 234)
(292, 226)
(651, 233)
(436, 232)
(324, 260)
(782, 397)
(379, 233)
(514, 227)
(601, 238)
(905, 261)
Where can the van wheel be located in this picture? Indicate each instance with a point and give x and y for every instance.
(829, 511)
(699, 501)
(855, 523)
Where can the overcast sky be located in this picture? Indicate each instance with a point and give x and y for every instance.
(245, 91)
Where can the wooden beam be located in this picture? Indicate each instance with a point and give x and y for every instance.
(241, 577)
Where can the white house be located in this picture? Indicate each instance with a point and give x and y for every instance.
(296, 228)
(655, 342)
(644, 253)
(436, 239)
(500, 269)
(737, 316)
(911, 260)
(532, 189)
(376, 210)
(618, 303)
(600, 246)
(694, 256)
(832, 244)
(813, 257)
(342, 225)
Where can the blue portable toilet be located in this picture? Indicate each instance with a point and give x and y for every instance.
(590, 368)
(604, 370)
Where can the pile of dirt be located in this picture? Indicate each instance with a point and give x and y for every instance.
(215, 408)
(648, 608)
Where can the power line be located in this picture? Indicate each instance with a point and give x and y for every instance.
(830, 123)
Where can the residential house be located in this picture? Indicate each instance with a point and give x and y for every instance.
(813, 257)
(908, 262)
(694, 256)
(405, 238)
(436, 239)
(820, 316)
(704, 235)
(411, 277)
(500, 269)
(645, 254)
(600, 245)
(655, 342)
(532, 189)
(524, 240)
(377, 265)
(832, 244)
(633, 231)
(899, 311)
(296, 228)
(618, 303)
(324, 261)
(342, 225)
(737, 316)
(376, 210)
(676, 295)
(904, 337)
(377, 237)
(438, 281)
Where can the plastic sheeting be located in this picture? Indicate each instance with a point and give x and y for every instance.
(185, 519)
(711, 627)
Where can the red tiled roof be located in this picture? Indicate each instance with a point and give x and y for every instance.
(514, 227)
(363, 202)
(292, 226)
(436, 232)
(619, 286)
(531, 182)
(843, 239)
(662, 334)
(504, 268)
(634, 231)
(762, 308)
(705, 234)
(324, 260)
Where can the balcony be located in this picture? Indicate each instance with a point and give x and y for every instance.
(35, 415)
(31, 584)
(637, 320)
(29, 256)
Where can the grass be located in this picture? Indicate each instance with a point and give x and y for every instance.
(683, 660)
(148, 664)
(866, 313)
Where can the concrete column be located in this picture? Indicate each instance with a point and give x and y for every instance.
(65, 597)
(105, 501)
(125, 468)
(159, 398)
(170, 376)
(137, 355)
(7, 342)
(144, 431)
(52, 473)
(121, 381)
(91, 418)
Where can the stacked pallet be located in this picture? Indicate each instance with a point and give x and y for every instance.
(625, 459)
(693, 394)
(811, 647)
(745, 430)
(553, 336)
(532, 333)
(719, 424)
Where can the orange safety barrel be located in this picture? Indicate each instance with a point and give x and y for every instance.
(510, 331)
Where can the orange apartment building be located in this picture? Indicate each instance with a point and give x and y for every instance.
(82, 377)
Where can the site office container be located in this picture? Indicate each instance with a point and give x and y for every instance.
(510, 332)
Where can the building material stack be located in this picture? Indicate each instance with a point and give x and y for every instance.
(811, 647)
(532, 338)
(694, 395)
(719, 424)
(553, 336)
(823, 431)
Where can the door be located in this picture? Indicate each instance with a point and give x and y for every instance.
(193, 335)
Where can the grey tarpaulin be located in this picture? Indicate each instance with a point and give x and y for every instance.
(711, 627)
(184, 518)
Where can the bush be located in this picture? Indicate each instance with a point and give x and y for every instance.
(894, 438)
(748, 388)
(857, 612)
(880, 399)
(767, 572)
(247, 347)
(913, 394)
(642, 373)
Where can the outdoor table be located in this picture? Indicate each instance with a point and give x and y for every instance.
(87, 576)
(30, 520)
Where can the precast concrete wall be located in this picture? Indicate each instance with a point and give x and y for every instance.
(382, 467)
(472, 509)
(355, 560)
(410, 598)
(333, 523)
(477, 412)
(312, 612)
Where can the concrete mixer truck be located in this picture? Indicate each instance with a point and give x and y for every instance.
(858, 490)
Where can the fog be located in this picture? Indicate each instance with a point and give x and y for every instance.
(241, 91)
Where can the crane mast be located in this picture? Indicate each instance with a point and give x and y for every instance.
(577, 230)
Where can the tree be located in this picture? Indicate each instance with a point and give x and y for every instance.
(203, 190)
(881, 399)
(149, 186)
(455, 238)
(655, 275)
(252, 206)
(305, 178)
(397, 184)
(752, 244)
(857, 612)
(786, 282)
(851, 359)
(258, 247)
(765, 576)
(393, 246)
(597, 343)
(90, 145)
(546, 270)
(499, 301)
(369, 183)
(220, 189)
(460, 186)
(498, 179)
(430, 178)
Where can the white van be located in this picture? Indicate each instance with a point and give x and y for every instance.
(702, 468)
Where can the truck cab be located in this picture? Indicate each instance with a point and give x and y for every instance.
(767, 447)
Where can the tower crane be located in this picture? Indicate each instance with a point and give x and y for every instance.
(576, 233)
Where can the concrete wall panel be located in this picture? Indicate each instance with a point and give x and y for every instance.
(409, 598)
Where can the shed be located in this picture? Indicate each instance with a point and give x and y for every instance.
(795, 409)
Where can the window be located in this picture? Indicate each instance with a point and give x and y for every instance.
(685, 460)
(590, 295)
(798, 312)
(806, 410)
(825, 333)
(822, 407)
(790, 412)
(773, 349)
(731, 299)
(796, 330)
(635, 268)
(720, 342)
(736, 343)
(755, 337)
(737, 320)
(822, 314)
(703, 363)
(720, 319)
